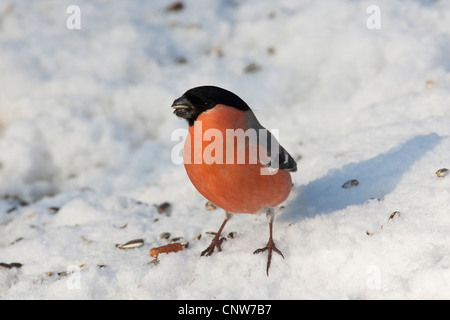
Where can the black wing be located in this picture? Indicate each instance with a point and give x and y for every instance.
(286, 162)
(278, 157)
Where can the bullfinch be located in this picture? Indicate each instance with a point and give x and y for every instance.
(232, 160)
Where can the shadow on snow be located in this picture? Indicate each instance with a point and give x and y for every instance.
(377, 177)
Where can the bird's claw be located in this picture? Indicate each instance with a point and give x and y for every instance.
(215, 243)
(269, 247)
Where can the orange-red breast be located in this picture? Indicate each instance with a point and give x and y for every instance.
(231, 159)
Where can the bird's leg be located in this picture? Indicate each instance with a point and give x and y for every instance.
(217, 241)
(270, 244)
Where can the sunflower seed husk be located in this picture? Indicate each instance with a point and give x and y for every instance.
(141, 203)
(210, 206)
(53, 210)
(177, 239)
(252, 68)
(5, 266)
(391, 217)
(211, 234)
(16, 199)
(232, 235)
(85, 239)
(430, 84)
(163, 207)
(11, 209)
(164, 235)
(131, 244)
(11, 265)
(17, 240)
(175, 6)
(393, 214)
(198, 237)
(350, 183)
(181, 60)
(442, 172)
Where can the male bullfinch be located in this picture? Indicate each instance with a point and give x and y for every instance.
(256, 182)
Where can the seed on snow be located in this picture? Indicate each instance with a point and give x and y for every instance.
(393, 214)
(53, 210)
(430, 84)
(175, 6)
(86, 239)
(5, 265)
(164, 235)
(131, 244)
(252, 68)
(10, 265)
(11, 209)
(232, 235)
(442, 172)
(177, 239)
(17, 240)
(350, 183)
(210, 206)
(163, 207)
(211, 234)
(198, 237)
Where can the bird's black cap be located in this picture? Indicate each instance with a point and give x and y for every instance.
(199, 99)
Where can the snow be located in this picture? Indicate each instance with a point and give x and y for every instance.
(86, 125)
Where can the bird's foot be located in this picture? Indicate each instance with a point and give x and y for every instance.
(215, 243)
(269, 247)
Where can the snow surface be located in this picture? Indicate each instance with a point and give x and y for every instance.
(86, 124)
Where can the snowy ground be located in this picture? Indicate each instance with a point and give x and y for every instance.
(85, 126)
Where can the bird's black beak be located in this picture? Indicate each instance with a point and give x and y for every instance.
(183, 108)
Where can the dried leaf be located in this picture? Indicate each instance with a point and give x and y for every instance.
(171, 247)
